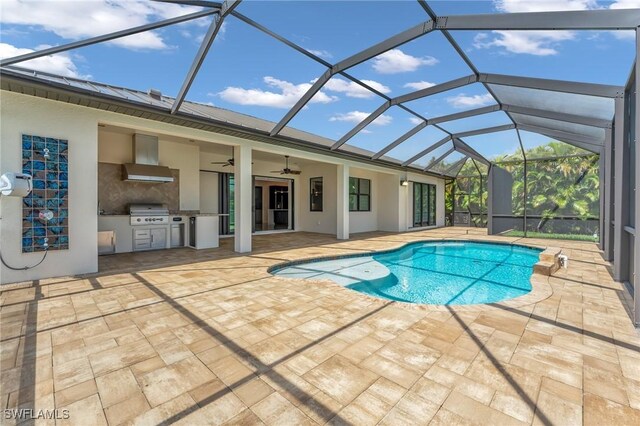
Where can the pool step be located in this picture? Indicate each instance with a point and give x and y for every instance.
(549, 262)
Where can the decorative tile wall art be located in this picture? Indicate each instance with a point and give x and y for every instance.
(45, 212)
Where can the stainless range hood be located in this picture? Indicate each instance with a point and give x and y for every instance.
(145, 167)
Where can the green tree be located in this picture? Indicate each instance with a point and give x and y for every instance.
(562, 181)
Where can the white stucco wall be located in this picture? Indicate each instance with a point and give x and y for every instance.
(185, 158)
(23, 114)
(208, 192)
(390, 202)
(115, 148)
(365, 221)
(325, 221)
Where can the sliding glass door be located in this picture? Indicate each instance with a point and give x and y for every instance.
(226, 203)
(424, 204)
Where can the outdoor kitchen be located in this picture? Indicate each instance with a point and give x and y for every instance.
(145, 200)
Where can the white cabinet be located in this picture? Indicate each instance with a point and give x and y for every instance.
(106, 242)
(141, 239)
(158, 238)
(150, 238)
(203, 231)
(142, 234)
(132, 238)
(122, 228)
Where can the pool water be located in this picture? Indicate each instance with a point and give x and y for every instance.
(440, 272)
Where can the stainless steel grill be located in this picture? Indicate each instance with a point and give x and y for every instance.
(148, 214)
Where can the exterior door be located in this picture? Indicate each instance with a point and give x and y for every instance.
(424, 204)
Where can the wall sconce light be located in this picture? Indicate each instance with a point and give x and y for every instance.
(404, 182)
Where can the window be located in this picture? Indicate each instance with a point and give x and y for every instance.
(424, 204)
(315, 194)
(359, 195)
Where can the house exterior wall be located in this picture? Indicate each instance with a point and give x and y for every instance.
(34, 116)
(390, 194)
(390, 203)
(186, 159)
(365, 221)
(408, 199)
(208, 192)
(324, 222)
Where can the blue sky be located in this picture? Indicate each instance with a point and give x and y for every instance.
(249, 72)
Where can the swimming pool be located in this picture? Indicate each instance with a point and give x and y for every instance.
(434, 272)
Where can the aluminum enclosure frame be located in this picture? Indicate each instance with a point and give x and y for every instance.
(566, 20)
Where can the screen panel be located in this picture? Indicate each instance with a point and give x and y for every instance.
(587, 106)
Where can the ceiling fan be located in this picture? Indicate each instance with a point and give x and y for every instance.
(229, 162)
(287, 170)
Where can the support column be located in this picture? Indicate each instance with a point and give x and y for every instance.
(342, 202)
(404, 223)
(636, 240)
(601, 190)
(489, 200)
(621, 209)
(242, 198)
(607, 212)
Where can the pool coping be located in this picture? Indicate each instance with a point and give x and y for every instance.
(540, 287)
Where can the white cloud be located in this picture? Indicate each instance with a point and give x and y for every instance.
(61, 64)
(625, 4)
(288, 93)
(396, 61)
(222, 32)
(286, 96)
(415, 120)
(354, 90)
(321, 53)
(514, 6)
(464, 101)
(539, 43)
(358, 116)
(419, 85)
(82, 19)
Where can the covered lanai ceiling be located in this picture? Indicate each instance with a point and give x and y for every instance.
(574, 112)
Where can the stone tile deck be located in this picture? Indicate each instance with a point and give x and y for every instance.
(210, 337)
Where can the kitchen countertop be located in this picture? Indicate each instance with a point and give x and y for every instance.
(171, 214)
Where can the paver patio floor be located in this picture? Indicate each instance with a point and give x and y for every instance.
(210, 337)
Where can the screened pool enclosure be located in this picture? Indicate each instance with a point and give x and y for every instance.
(539, 157)
(552, 192)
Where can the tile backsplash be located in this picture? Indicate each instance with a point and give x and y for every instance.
(115, 195)
(45, 212)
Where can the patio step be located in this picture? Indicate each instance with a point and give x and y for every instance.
(549, 262)
(550, 254)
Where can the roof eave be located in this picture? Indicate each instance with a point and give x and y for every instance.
(18, 82)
